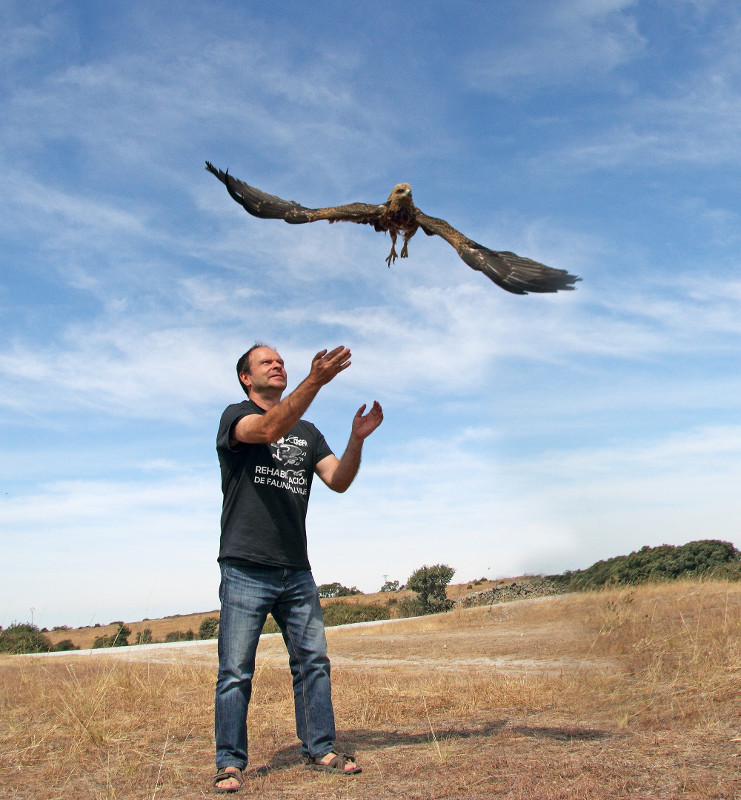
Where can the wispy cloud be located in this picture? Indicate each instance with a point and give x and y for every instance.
(98, 542)
(521, 432)
(569, 42)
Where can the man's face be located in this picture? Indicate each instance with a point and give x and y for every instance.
(267, 371)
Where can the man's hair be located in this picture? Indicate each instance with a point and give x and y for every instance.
(243, 365)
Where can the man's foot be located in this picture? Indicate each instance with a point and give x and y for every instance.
(228, 779)
(338, 763)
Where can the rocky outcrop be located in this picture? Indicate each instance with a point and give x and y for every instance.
(514, 590)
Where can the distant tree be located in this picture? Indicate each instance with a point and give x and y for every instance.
(390, 586)
(429, 583)
(144, 636)
(208, 628)
(336, 590)
(23, 637)
(119, 638)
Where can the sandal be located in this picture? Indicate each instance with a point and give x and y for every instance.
(336, 765)
(222, 775)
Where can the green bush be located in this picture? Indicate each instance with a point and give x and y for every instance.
(144, 636)
(118, 638)
(410, 607)
(23, 637)
(208, 628)
(429, 583)
(346, 613)
(65, 644)
(270, 626)
(336, 590)
(180, 636)
(341, 613)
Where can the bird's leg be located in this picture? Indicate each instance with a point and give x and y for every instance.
(404, 253)
(392, 254)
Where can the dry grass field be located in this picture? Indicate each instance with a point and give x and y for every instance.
(614, 694)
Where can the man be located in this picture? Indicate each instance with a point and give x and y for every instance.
(268, 456)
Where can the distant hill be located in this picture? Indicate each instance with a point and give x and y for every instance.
(707, 557)
(188, 625)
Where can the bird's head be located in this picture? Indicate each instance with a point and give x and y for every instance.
(401, 195)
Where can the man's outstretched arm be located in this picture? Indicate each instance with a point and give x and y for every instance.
(338, 474)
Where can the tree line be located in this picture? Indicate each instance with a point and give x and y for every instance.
(704, 558)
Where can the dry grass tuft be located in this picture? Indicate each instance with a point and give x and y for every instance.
(616, 694)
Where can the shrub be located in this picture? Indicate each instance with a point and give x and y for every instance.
(208, 628)
(270, 626)
(347, 613)
(23, 637)
(65, 644)
(180, 636)
(429, 583)
(336, 590)
(144, 636)
(118, 638)
(410, 607)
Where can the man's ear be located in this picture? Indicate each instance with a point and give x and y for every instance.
(245, 380)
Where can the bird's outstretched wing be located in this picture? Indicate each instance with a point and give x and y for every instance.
(268, 206)
(514, 273)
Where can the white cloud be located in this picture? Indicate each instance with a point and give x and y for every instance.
(456, 502)
(522, 433)
(104, 550)
(566, 43)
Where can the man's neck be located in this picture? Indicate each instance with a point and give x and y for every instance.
(265, 401)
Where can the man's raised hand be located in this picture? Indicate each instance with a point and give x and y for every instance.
(364, 425)
(327, 365)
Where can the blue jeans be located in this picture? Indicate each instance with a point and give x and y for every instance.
(248, 593)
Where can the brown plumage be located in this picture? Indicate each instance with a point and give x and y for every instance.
(398, 216)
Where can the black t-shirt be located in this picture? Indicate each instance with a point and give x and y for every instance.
(266, 492)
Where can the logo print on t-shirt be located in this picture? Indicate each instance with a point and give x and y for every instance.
(289, 450)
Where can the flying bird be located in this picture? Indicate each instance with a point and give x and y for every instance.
(398, 216)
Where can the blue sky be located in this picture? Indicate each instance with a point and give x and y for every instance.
(522, 434)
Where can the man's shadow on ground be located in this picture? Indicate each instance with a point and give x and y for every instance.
(361, 739)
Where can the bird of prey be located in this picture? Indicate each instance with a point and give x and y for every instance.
(399, 216)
